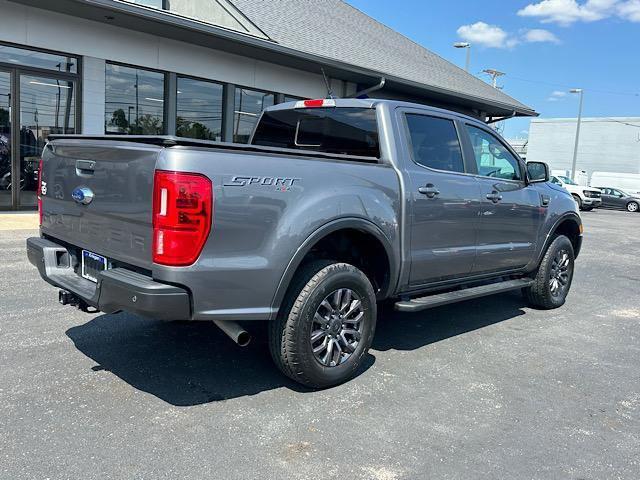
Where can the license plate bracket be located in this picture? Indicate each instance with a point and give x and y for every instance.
(92, 265)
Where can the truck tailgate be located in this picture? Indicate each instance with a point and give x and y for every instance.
(117, 221)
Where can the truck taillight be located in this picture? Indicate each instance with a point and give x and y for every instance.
(182, 216)
(318, 103)
(39, 192)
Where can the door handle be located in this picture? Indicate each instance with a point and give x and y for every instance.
(495, 197)
(429, 190)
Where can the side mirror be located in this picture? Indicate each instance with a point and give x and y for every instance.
(537, 172)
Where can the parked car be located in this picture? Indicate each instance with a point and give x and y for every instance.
(335, 206)
(587, 198)
(616, 198)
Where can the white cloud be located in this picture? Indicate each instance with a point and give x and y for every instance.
(538, 35)
(630, 10)
(492, 36)
(566, 12)
(556, 95)
(481, 33)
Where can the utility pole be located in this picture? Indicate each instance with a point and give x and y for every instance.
(494, 74)
(575, 148)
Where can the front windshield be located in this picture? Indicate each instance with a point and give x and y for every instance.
(567, 180)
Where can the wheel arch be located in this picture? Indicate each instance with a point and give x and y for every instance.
(363, 227)
(569, 225)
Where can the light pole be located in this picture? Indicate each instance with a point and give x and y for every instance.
(466, 45)
(575, 148)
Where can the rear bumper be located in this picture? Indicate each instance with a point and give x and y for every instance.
(116, 289)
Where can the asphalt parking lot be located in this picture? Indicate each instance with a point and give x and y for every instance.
(485, 389)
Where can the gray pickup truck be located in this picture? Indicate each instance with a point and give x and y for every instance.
(334, 206)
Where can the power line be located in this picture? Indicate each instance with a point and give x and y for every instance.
(560, 85)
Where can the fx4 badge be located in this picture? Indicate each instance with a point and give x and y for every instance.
(282, 184)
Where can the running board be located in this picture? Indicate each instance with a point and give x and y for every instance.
(439, 299)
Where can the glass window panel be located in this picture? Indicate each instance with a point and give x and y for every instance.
(492, 157)
(346, 131)
(434, 142)
(47, 107)
(134, 101)
(5, 140)
(32, 58)
(199, 113)
(248, 106)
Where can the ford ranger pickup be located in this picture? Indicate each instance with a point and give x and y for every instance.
(333, 207)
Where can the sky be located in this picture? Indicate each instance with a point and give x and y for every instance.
(545, 47)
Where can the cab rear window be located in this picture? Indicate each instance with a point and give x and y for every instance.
(346, 131)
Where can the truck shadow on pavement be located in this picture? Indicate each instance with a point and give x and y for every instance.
(193, 363)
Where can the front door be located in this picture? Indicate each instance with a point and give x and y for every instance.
(37, 99)
(511, 212)
(444, 200)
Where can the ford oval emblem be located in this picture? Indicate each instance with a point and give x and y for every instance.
(83, 195)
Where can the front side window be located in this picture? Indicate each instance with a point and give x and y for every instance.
(199, 109)
(567, 180)
(249, 104)
(434, 143)
(345, 131)
(134, 101)
(492, 157)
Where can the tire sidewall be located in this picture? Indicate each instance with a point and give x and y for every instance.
(339, 276)
(560, 243)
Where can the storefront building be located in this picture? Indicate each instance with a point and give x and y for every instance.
(196, 68)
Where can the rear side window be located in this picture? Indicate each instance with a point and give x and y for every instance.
(347, 131)
(434, 142)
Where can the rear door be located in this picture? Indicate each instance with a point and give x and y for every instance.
(444, 201)
(511, 212)
(116, 222)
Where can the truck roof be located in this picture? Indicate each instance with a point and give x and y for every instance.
(371, 103)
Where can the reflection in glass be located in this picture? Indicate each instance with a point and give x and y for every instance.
(148, 3)
(5, 140)
(47, 106)
(32, 58)
(199, 106)
(291, 98)
(134, 101)
(248, 106)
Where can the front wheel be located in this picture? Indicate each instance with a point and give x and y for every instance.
(326, 324)
(578, 201)
(633, 207)
(553, 280)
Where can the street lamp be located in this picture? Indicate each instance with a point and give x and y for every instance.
(575, 148)
(466, 45)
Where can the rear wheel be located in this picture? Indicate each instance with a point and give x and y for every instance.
(326, 324)
(555, 274)
(633, 207)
